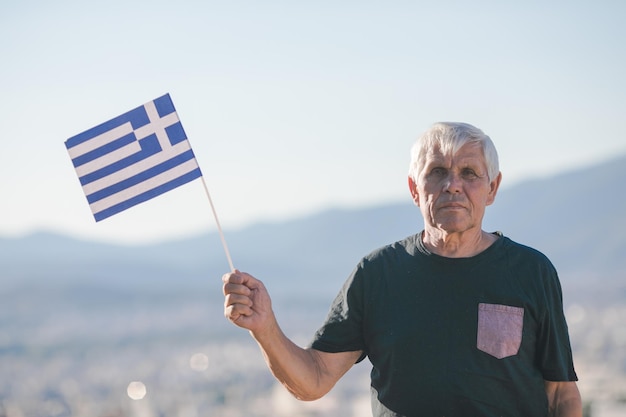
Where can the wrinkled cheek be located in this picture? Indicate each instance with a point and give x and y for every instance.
(428, 213)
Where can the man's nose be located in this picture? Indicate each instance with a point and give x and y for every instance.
(453, 183)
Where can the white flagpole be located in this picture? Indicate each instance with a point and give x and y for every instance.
(219, 228)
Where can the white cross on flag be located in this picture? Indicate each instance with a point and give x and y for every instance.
(132, 158)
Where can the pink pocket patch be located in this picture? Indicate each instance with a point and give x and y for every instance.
(499, 329)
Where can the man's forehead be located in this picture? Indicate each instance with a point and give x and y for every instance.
(467, 151)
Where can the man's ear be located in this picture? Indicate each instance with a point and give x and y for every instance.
(414, 194)
(493, 189)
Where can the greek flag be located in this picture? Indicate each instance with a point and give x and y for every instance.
(132, 158)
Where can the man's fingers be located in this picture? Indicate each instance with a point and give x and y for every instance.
(240, 278)
(237, 305)
(232, 299)
(236, 312)
(230, 288)
(232, 277)
(246, 302)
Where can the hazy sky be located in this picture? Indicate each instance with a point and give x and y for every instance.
(294, 106)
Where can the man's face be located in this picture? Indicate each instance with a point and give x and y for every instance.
(452, 191)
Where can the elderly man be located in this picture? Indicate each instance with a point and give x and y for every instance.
(455, 321)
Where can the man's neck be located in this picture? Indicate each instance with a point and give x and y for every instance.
(457, 245)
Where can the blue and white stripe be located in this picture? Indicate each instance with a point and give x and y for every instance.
(132, 158)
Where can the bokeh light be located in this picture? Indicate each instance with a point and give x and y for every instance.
(136, 390)
(199, 362)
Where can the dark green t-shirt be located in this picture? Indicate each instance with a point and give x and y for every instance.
(454, 336)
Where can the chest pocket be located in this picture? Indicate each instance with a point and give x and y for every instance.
(499, 329)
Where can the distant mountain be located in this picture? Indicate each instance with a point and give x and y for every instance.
(576, 218)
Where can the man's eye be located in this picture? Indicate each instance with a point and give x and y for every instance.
(439, 172)
(469, 173)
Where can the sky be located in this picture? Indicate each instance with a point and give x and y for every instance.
(293, 107)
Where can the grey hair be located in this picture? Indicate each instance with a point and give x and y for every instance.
(449, 137)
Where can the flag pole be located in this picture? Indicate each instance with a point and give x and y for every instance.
(219, 228)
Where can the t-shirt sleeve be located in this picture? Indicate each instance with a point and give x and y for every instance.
(343, 329)
(554, 352)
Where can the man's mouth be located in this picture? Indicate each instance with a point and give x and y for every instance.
(452, 206)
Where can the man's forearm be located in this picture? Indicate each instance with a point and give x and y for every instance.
(300, 370)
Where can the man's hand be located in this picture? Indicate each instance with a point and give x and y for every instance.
(247, 303)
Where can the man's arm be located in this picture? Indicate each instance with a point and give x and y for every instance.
(563, 399)
(307, 373)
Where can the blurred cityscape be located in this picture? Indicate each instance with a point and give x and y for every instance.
(173, 354)
(111, 355)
